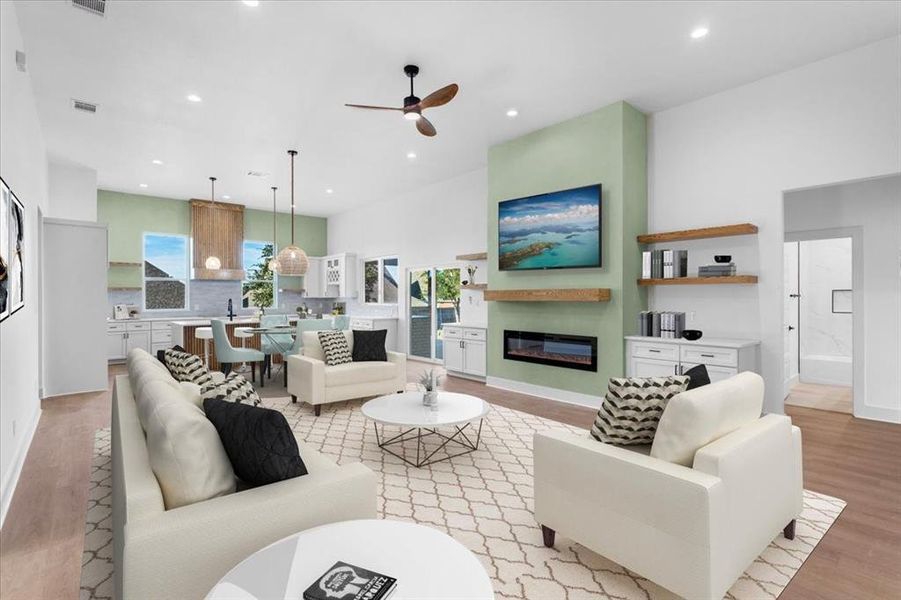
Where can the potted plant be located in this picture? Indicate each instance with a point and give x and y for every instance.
(429, 382)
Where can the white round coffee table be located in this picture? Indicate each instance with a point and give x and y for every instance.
(455, 412)
(428, 564)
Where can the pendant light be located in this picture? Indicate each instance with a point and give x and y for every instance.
(292, 260)
(212, 262)
(273, 262)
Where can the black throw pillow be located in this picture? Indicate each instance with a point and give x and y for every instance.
(369, 345)
(258, 441)
(697, 376)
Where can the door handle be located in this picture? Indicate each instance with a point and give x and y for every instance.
(791, 328)
(794, 295)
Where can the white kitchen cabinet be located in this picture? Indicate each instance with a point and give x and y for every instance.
(659, 357)
(122, 337)
(313, 280)
(376, 323)
(137, 339)
(465, 350)
(115, 345)
(332, 276)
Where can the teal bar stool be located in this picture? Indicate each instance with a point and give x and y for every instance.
(273, 343)
(228, 355)
(341, 322)
(304, 325)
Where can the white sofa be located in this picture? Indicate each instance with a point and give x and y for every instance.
(182, 552)
(693, 527)
(316, 383)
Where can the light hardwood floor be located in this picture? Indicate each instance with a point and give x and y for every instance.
(836, 398)
(853, 459)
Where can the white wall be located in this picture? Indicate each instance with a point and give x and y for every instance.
(728, 158)
(429, 227)
(23, 165)
(874, 206)
(73, 192)
(826, 344)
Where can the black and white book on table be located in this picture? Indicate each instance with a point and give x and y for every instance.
(348, 582)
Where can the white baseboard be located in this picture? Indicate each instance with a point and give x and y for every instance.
(545, 392)
(877, 413)
(12, 479)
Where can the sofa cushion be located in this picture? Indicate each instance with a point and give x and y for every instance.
(313, 349)
(369, 345)
(632, 407)
(697, 417)
(697, 376)
(335, 347)
(259, 442)
(235, 388)
(187, 367)
(362, 372)
(185, 452)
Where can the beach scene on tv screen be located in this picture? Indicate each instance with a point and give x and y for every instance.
(551, 231)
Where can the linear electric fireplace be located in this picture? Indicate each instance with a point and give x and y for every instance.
(570, 351)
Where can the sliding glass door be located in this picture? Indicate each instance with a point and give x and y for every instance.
(434, 299)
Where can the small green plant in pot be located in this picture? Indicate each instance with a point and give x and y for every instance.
(429, 382)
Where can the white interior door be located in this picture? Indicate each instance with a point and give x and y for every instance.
(790, 316)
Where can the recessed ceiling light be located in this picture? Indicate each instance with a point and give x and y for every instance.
(512, 113)
(330, 191)
(252, 3)
(699, 32)
(411, 155)
(226, 197)
(157, 161)
(194, 98)
(143, 185)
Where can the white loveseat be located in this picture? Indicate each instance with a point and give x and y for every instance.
(314, 382)
(691, 512)
(182, 552)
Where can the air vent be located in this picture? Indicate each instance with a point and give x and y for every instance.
(98, 7)
(84, 106)
(258, 173)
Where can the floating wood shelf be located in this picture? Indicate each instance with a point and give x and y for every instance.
(474, 256)
(123, 289)
(698, 234)
(474, 286)
(550, 295)
(732, 279)
(119, 263)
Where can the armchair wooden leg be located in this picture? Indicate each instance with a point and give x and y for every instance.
(293, 399)
(548, 534)
(317, 409)
(789, 531)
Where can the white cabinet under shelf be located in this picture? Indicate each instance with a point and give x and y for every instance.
(124, 336)
(465, 350)
(659, 357)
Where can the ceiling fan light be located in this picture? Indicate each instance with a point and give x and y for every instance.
(412, 115)
(292, 261)
(213, 262)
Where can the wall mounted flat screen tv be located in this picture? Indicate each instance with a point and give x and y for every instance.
(560, 230)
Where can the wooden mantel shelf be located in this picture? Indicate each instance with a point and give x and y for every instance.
(474, 286)
(732, 279)
(698, 234)
(474, 256)
(550, 295)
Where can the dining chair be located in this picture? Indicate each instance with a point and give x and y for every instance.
(228, 355)
(341, 322)
(273, 343)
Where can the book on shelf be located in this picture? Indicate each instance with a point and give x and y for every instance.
(646, 264)
(680, 263)
(717, 270)
(348, 582)
(666, 324)
(664, 264)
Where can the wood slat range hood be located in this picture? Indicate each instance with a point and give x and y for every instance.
(217, 229)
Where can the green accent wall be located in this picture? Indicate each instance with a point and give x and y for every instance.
(129, 216)
(607, 146)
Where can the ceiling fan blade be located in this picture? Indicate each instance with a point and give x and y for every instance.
(425, 127)
(367, 106)
(442, 96)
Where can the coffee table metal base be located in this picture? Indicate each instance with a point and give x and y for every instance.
(456, 440)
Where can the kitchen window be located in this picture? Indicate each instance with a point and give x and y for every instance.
(165, 271)
(380, 277)
(258, 287)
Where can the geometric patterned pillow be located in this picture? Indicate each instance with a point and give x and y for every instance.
(235, 388)
(187, 367)
(632, 407)
(334, 346)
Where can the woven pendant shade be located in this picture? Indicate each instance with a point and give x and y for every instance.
(292, 260)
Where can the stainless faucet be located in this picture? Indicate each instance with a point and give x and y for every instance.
(231, 311)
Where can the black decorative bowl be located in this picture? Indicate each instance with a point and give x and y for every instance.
(722, 258)
(692, 334)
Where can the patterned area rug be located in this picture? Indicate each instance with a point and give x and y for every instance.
(484, 500)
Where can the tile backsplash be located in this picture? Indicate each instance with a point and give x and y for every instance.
(210, 298)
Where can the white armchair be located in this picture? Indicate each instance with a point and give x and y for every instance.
(314, 382)
(691, 529)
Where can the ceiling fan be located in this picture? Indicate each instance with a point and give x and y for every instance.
(413, 106)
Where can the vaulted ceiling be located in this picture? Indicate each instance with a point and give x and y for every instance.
(276, 76)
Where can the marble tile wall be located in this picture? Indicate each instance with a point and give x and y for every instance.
(825, 265)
